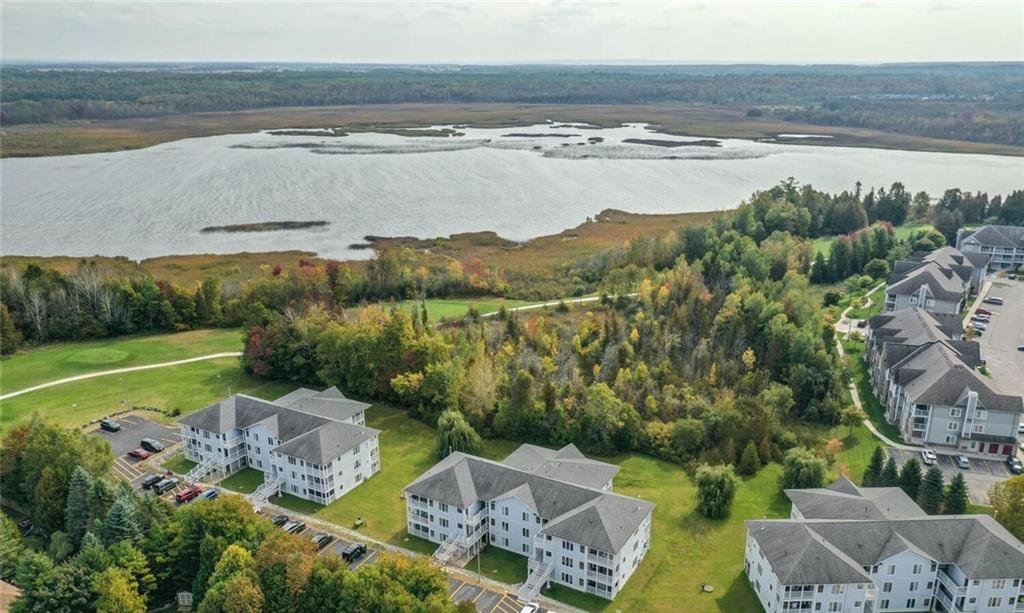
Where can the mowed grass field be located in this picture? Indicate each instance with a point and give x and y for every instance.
(59, 361)
(823, 243)
(442, 309)
(186, 387)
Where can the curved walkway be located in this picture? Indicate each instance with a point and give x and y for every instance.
(554, 303)
(115, 371)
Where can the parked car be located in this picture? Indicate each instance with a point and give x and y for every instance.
(294, 527)
(280, 520)
(1015, 465)
(978, 326)
(530, 607)
(980, 318)
(139, 454)
(928, 457)
(981, 311)
(322, 539)
(962, 462)
(151, 480)
(210, 494)
(109, 425)
(1020, 347)
(353, 552)
(165, 486)
(993, 300)
(187, 494)
(152, 445)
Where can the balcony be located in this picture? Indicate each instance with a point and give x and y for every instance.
(950, 585)
(475, 520)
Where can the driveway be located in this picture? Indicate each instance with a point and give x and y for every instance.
(981, 476)
(134, 428)
(1005, 332)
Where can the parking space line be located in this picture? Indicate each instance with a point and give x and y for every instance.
(451, 592)
(464, 584)
(477, 597)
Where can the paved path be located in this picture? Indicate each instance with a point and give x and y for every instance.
(104, 373)
(845, 323)
(554, 303)
(855, 395)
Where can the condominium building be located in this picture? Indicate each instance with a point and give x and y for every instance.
(1003, 244)
(862, 553)
(926, 378)
(939, 281)
(313, 445)
(554, 507)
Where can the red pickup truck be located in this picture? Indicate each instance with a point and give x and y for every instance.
(187, 494)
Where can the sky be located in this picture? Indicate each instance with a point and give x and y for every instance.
(823, 31)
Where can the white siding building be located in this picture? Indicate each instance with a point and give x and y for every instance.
(554, 507)
(313, 445)
(863, 550)
(1004, 245)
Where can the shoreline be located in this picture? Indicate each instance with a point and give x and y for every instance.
(99, 136)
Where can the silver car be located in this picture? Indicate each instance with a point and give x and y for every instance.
(928, 457)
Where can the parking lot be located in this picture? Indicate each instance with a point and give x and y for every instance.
(134, 428)
(1004, 334)
(981, 476)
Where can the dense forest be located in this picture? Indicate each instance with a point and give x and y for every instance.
(978, 102)
(112, 549)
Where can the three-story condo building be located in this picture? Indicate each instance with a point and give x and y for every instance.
(313, 445)
(856, 550)
(554, 507)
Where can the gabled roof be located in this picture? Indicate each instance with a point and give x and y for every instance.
(942, 284)
(462, 480)
(311, 425)
(935, 374)
(566, 464)
(998, 236)
(844, 500)
(914, 326)
(977, 544)
(800, 556)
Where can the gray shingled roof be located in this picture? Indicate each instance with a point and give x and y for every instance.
(935, 374)
(943, 284)
(462, 480)
(976, 543)
(309, 423)
(566, 464)
(844, 500)
(999, 236)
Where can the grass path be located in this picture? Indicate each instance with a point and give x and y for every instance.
(63, 360)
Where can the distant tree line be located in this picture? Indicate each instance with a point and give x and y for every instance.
(962, 101)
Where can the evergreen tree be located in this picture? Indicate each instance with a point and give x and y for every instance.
(77, 515)
(122, 522)
(955, 502)
(11, 547)
(873, 472)
(820, 272)
(890, 474)
(716, 488)
(750, 462)
(910, 478)
(930, 495)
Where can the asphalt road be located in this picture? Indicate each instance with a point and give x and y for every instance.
(1005, 332)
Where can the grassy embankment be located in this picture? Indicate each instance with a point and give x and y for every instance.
(74, 137)
(823, 243)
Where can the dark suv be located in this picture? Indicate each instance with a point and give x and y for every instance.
(109, 425)
(353, 552)
(151, 480)
(1015, 465)
(152, 445)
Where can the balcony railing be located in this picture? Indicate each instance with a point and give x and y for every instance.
(952, 586)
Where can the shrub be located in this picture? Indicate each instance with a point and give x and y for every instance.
(750, 461)
(802, 469)
(716, 488)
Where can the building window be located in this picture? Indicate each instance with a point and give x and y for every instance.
(526, 532)
(526, 548)
(913, 586)
(998, 584)
(911, 603)
(994, 602)
(892, 569)
(981, 414)
(955, 412)
(952, 426)
(917, 569)
(886, 587)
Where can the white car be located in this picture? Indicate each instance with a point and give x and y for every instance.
(530, 607)
(928, 457)
(979, 326)
(962, 462)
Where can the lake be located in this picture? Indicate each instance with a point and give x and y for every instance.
(520, 182)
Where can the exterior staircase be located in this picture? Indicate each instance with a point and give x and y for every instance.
(449, 548)
(533, 584)
(271, 486)
(201, 470)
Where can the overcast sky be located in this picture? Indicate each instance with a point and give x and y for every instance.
(468, 32)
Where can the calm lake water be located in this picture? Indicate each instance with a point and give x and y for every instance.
(154, 201)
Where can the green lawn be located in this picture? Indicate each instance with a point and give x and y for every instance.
(62, 360)
(244, 481)
(455, 308)
(859, 371)
(294, 503)
(186, 387)
(823, 243)
(500, 565)
(179, 464)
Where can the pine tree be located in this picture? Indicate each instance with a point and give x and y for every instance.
(890, 474)
(750, 462)
(77, 514)
(874, 470)
(819, 269)
(910, 478)
(956, 500)
(930, 495)
(122, 522)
